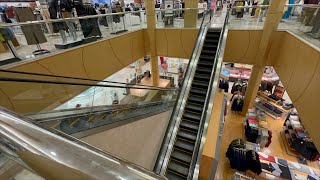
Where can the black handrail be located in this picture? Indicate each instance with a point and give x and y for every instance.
(68, 77)
(22, 80)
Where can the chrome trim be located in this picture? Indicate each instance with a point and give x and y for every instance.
(54, 155)
(75, 112)
(172, 128)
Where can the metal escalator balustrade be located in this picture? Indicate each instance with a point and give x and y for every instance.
(184, 146)
(180, 154)
(76, 122)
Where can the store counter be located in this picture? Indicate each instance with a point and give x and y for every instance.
(163, 83)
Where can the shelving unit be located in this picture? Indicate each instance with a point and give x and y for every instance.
(259, 105)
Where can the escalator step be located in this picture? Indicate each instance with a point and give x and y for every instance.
(187, 134)
(181, 156)
(189, 125)
(194, 107)
(179, 168)
(208, 45)
(208, 40)
(206, 62)
(200, 84)
(173, 176)
(208, 52)
(204, 70)
(202, 76)
(205, 57)
(198, 91)
(191, 116)
(185, 145)
(196, 99)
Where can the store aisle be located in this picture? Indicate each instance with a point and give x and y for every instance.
(233, 128)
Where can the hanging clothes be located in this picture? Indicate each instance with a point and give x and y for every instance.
(240, 11)
(33, 33)
(54, 11)
(224, 84)
(288, 11)
(90, 27)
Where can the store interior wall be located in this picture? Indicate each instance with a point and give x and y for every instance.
(138, 142)
(177, 43)
(241, 46)
(96, 60)
(297, 65)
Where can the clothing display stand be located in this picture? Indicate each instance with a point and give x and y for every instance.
(33, 33)
(13, 51)
(67, 13)
(239, 176)
(315, 32)
(40, 50)
(117, 28)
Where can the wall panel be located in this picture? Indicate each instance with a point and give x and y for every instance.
(96, 60)
(176, 42)
(298, 68)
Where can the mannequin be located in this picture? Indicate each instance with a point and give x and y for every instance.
(66, 7)
(55, 14)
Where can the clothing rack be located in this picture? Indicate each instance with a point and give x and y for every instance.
(239, 176)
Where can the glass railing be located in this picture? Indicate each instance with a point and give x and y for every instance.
(31, 92)
(304, 21)
(29, 38)
(247, 17)
(175, 18)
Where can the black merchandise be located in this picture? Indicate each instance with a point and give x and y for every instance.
(54, 9)
(299, 139)
(274, 97)
(269, 87)
(242, 159)
(277, 170)
(66, 5)
(237, 104)
(90, 27)
(224, 84)
(263, 86)
(236, 87)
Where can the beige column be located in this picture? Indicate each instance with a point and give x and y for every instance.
(191, 16)
(273, 18)
(150, 10)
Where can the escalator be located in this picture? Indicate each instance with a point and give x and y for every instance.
(188, 131)
(77, 121)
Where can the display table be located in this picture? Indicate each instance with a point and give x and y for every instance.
(163, 83)
(270, 108)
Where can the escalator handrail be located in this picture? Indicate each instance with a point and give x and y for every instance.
(183, 90)
(207, 114)
(78, 112)
(24, 80)
(74, 78)
(22, 139)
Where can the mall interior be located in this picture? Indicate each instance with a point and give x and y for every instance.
(159, 89)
